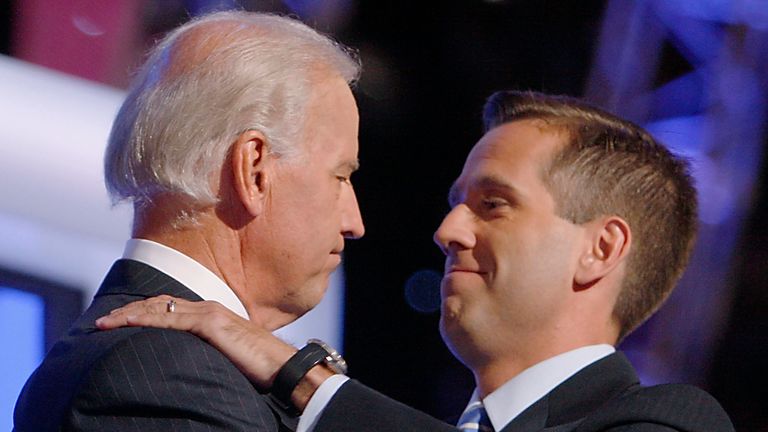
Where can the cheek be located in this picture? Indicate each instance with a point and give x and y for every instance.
(508, 253)
(321, 198)
(310, 207)
(527, 258)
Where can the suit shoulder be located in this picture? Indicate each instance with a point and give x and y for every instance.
(169, 373)
(666, 407)
(168, 355)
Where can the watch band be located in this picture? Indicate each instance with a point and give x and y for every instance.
(289, 376)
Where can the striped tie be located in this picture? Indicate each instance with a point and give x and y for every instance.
(475, 419)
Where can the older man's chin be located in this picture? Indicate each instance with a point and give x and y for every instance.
(307, 297)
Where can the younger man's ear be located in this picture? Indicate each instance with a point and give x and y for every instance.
(250, 170)
(609, 243)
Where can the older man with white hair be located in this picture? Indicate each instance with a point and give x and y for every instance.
(235, 145)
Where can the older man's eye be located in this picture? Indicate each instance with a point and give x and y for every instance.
(343, 179)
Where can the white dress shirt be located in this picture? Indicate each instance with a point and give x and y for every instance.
(184, 269)
(514, 396)
(208, 286)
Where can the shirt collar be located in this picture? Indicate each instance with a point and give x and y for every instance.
(186, 270)
(513, 397)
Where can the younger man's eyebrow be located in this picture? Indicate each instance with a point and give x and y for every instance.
(489, 182)
(454, 194)
(495, 182)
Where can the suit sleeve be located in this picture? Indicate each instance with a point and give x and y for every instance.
(164, 380)
(356, 408)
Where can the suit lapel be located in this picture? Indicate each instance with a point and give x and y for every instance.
(566, 405)
(534, 418)
(133, 278)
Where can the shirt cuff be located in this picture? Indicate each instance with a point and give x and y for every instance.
(319, 401)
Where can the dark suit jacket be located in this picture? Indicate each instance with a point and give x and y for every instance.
(604, 396)
(140, 379)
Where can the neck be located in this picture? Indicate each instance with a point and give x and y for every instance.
(502, 367)
(217, 247)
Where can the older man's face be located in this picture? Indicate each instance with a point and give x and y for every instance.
(312, 207)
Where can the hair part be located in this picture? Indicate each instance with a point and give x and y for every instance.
(202, 85)
(610, 166)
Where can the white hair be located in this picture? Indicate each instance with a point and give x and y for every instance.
(251, 72)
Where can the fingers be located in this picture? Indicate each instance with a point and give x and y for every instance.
(109, 322)
(154, 312)
(151, 305)
(165, 320)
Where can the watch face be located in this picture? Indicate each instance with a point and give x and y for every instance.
(334, 360)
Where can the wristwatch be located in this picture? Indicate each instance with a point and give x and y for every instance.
(289, 376)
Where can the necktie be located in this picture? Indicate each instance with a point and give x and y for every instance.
(475, 419)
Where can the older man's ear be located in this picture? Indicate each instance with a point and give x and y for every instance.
(609, 241)
(251, 162)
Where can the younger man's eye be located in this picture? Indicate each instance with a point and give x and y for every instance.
(493, 203)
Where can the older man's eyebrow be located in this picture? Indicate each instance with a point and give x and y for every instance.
(349, 166)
